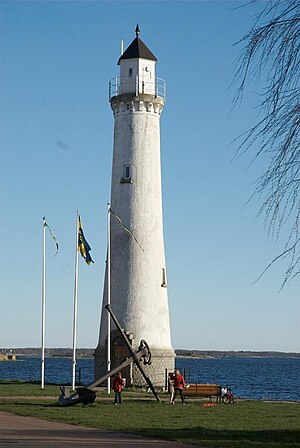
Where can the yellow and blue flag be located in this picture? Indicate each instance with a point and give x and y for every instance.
(83, 246)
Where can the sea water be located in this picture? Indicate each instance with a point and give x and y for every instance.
(257, 378)
(254, 378)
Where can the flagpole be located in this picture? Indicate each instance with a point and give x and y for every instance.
(43, 305)
(108, 297)
(75, 307)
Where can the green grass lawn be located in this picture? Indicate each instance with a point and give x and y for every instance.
(244, 424)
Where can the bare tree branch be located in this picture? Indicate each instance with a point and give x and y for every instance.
(271, 54)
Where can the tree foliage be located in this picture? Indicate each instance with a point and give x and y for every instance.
(271, 54)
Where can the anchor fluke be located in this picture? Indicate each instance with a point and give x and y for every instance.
(82, 395)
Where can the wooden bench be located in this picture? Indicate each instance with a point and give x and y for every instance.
(203, 390)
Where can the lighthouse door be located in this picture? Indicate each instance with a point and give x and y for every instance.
(119, 354)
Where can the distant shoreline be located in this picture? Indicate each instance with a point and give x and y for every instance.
(180, 353)
(213, 354)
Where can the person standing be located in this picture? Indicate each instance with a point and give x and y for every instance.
(179, 385)
(118, 384)
(171, 386)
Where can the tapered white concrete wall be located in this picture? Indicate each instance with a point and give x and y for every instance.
(137, 296)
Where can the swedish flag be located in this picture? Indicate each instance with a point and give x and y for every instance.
(83, 245)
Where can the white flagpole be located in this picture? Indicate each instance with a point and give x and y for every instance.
(43, 305)
(75, 306)
(108, 296)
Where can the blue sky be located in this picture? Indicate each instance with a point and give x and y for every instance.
(56, 130)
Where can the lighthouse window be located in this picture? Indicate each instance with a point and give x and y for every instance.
(126, 172)
(126, 175)
(130, 72)
(164, 280)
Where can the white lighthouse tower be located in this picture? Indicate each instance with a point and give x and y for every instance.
(137, 269)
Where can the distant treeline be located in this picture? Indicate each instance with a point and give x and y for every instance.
(232, 353)
(61, 352)
(89, 352)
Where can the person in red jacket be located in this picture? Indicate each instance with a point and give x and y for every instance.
(118, 387)
(179, 385)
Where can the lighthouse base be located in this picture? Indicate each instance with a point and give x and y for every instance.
(162, 362)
